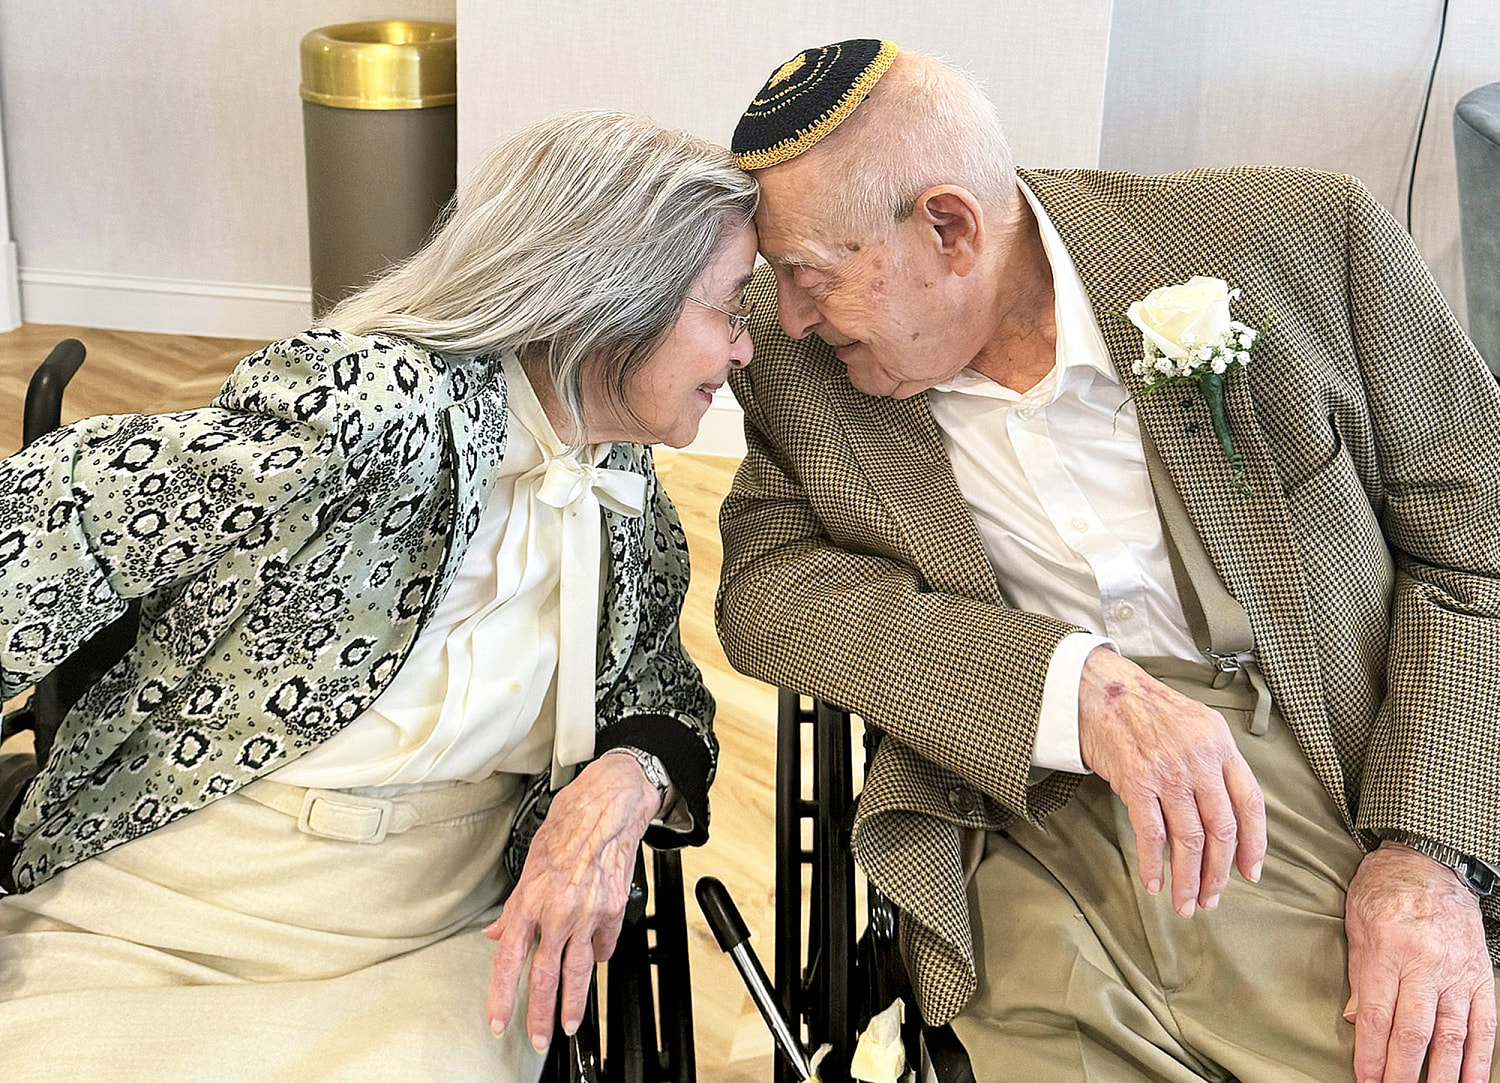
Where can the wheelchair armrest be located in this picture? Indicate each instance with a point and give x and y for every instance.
(44, 392)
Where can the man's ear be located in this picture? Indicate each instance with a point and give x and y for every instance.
(957, 223)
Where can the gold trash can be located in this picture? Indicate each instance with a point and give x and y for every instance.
(380, 128)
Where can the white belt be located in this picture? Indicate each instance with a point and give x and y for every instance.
(367, 818)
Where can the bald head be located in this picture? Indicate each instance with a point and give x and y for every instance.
(924, 123)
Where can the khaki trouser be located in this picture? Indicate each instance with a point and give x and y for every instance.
(1085, 976)
(257, 939)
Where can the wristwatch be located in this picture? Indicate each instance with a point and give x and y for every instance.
(655, 770)
(1481, 876)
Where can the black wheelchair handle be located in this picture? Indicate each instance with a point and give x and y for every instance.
(723, 916)
(734, 938)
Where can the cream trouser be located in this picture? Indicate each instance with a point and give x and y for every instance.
(1085, 976)
(253, 940)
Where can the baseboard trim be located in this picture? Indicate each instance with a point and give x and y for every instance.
(170, 306)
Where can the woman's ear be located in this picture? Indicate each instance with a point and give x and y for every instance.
(956, 222)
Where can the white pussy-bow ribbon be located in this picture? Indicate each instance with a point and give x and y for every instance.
(579, 490)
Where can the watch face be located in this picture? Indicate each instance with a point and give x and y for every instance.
(1482, 877)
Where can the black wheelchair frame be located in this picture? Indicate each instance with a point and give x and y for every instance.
(845, 975)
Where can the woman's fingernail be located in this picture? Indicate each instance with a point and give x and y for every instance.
(497, 1028)
(1350, 1010)
(570, 1026)
(1153, 886)
(1212, 903)
(1188, 908)
(540, 1042)
(1255, 873)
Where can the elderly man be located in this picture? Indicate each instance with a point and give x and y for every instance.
(1141, 584)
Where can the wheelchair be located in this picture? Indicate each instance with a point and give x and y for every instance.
(833, 982)
(648, 1023)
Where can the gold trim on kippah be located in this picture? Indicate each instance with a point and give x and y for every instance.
(790, 148)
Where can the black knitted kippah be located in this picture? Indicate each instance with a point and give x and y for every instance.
(806, 98)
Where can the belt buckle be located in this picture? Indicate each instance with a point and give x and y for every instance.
(345, 817)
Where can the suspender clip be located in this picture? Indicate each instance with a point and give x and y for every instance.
(1228, 665)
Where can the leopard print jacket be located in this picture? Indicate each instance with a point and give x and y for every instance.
(287, 544)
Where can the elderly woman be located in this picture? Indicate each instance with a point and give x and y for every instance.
(408, 647)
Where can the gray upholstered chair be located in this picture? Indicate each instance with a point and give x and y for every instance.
(1476, 142)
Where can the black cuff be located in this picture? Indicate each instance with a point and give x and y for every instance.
(688, 763)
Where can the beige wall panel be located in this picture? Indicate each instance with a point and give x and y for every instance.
(696, 65)
(163, 139)
(10, 283)
(1336, 85)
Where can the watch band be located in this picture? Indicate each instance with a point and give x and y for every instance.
(655, 770)
(1481, 877)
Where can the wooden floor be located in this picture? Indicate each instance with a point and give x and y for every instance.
(149, 373)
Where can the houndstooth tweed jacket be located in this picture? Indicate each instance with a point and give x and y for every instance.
(1367, 553)
(288, 543)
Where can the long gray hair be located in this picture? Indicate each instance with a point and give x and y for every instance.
(576, 240)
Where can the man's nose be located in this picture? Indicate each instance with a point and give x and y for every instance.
(795, 309)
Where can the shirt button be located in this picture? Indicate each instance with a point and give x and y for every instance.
(1026, 413)
(1124, 611)
(1079, 523)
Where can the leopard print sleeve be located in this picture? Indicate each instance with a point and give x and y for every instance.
(114, 507)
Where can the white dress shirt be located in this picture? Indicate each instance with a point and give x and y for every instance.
(479, 690)
(1056, 479)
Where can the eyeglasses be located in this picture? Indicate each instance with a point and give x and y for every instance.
(738, 321)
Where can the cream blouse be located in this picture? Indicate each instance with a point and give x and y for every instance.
(480, 690)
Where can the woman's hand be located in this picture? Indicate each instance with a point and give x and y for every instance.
(571, 898)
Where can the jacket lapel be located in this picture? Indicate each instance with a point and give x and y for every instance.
(1248, 535)
(628, 555)
(476, 446)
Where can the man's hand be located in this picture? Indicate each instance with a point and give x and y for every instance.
(570, 901)
(1421, 981)
(1173, 762)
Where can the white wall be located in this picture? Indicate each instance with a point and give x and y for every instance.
(154, 153)
(1335, 85)
(10, 283)
(154, 150)
(696, 65)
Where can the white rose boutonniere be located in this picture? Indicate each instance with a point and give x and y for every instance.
(1188, 335)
